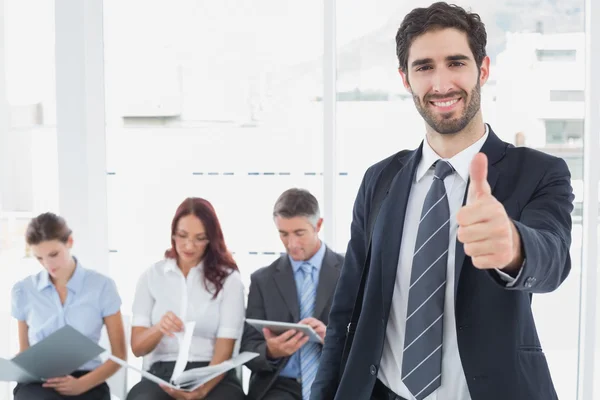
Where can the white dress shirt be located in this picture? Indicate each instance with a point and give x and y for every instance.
(454, 383)
(163, 288)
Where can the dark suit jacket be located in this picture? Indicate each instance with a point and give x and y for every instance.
(499, 347)
(273, 296)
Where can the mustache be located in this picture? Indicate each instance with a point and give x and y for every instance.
(434, 97)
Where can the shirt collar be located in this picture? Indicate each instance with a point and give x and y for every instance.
(74, 284)
(171, 265)
(315, 261)
(43, 280)
(460, 162)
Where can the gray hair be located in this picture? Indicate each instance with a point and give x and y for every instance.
(297, 203)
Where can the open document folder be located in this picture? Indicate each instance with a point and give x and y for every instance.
(59, 354)
(192, 379)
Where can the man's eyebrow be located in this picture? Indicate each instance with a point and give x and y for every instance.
(457, 57)
(424, 61)
(421, 61)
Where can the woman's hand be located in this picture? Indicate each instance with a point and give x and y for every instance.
(66, 385)
(197, 394)
(170, 324)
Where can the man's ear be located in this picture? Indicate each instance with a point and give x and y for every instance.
(484, 71)
(405, 81)
(319, 225)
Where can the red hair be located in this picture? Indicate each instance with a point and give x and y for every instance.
(218, 261)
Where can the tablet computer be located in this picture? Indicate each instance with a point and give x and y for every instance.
(280, 327)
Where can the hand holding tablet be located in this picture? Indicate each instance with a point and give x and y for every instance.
(281, 327)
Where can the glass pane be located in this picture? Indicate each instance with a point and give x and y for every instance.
(564, 131)
(523, 102)
(567, 95)
(221, 102)
(555, 55)
(28, 155)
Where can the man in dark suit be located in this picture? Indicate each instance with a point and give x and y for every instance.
(298, 288)
(470, 228)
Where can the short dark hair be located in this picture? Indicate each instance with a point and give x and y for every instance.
(440, 15)
(45, 227)
(297, 203)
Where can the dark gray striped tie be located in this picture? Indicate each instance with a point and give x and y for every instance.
(422, 356)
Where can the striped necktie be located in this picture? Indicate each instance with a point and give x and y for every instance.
(422, 355)
(310, 352)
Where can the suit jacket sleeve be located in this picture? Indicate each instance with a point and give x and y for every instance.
(327, 379)
(545, 231)
(252, 339)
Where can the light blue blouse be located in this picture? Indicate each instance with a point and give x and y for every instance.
(91, 297)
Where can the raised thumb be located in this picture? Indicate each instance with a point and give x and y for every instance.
(478, 184)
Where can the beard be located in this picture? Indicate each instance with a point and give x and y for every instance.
(448, 124)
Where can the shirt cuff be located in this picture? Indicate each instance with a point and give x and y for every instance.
(510, 281)
(139, 320)
(274, 363)
(18, 315)
(229, 333)
(112, 309)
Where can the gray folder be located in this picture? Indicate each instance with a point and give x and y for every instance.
(57, 355)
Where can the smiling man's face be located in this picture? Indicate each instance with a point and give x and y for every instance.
(444, 79)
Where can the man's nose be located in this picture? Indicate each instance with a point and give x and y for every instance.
(442, 82)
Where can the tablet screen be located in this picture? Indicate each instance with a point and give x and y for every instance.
(280, 327)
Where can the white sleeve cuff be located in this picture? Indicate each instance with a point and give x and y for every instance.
(140, 320)
(228, 333)
(510, 281)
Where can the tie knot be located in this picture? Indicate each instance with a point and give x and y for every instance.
(306, 268)
(442, 169)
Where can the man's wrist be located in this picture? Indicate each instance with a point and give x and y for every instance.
(270, 355)
(514, 266)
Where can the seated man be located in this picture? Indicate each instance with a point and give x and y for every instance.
(297, 288)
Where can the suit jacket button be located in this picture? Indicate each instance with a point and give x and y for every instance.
(529, 282)
(373, 370)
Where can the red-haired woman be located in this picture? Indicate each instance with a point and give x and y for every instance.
(197, 280)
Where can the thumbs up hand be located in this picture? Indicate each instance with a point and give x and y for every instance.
(488, 234)
(478, 184)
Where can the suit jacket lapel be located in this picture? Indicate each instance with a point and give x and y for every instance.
(327, 282)
(387, 231)
(284, 279)
(494, 149)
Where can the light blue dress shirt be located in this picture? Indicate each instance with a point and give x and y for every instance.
(292, 368)
(91, 297)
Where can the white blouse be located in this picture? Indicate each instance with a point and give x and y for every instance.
(163, 288)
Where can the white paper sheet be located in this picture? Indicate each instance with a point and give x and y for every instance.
(211, 371)
(200, 374)
(185, 341)
(145, 374)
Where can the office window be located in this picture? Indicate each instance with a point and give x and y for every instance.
(28, 154)
(564, 131)
(219, 103)
(27, 107)
(556, 55)
(575, 164)
(567, 95)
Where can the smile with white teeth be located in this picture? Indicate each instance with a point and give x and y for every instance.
(445, 103)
